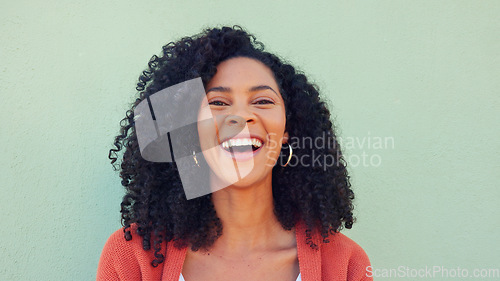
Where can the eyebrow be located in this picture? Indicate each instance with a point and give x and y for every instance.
(253, 89)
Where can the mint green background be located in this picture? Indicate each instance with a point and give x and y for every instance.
(424, 73)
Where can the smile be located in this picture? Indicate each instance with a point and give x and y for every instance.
(242, 149)
(241, 144)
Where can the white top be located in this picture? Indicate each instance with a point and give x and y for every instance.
(181, 278)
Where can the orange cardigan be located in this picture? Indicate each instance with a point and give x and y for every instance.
(341, 259)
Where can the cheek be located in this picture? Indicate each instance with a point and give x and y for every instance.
(276, 122)
(206, 126)
(275, 129)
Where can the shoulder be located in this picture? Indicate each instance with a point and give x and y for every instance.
(341, 245)
(340, 259)
(125, 260)
(118, 247)
(344, 254)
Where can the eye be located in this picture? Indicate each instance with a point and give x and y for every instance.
(264, 101)
(217, 103)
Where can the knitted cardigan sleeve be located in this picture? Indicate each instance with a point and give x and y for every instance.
(358, 265)
(126, 260)
(343, 259)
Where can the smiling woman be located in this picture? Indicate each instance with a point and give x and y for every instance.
(263, 220)
(249, 115)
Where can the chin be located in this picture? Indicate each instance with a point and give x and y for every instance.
(254, 178)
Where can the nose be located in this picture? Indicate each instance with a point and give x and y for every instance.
(239, 117)
(237, 120)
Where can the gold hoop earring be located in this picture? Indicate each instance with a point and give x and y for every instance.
(289, 156)
(195, 160)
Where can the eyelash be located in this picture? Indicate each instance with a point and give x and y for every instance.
(217, 101)
(266, 101)
(222, 103)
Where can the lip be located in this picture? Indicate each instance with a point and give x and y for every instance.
(243, 137)
(242, 156)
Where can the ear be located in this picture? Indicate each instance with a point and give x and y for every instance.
(285, 138)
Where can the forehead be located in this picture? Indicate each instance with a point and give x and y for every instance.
(243, 72)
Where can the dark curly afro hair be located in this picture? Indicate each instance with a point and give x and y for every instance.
(318, 195)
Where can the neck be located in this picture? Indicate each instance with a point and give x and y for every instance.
(247, 216)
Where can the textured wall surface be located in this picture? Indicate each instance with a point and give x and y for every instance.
(413, 87)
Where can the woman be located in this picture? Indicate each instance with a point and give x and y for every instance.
(278, 218)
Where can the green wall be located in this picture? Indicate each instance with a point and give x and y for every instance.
(422, 75)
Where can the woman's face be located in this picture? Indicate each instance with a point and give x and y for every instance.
(242, 142)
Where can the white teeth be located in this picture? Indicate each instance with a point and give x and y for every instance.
(256, 143)
(241, 142)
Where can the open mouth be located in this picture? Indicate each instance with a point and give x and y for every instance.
(241, 145)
